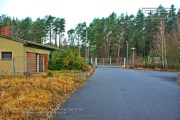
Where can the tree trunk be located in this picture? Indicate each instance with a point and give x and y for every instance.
(60, 40)
(50, 37)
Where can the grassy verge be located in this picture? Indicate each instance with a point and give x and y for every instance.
(37, 96)
(178, 80)
(152, 67)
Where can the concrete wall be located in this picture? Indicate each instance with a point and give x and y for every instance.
(21, 53)
(16, 48)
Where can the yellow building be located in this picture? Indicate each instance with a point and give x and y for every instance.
(18, 57)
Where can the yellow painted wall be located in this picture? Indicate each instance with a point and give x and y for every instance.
(19, 52)
(10, 45)
(16, 48)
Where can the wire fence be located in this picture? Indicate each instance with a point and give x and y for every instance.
(108, 62)
(22, 66)
(150, 62)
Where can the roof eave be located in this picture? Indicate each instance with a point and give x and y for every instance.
(32, 44)
(29, 43)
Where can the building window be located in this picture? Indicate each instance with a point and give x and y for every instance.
(6, 55)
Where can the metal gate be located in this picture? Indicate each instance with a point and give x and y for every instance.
(107, 62)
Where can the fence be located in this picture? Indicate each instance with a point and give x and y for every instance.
(107, 61)
(22, 66)
(138, 62)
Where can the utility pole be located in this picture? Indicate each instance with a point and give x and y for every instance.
(87, 51)
(127, 54)
(86, 45)
(109, 44)
(162, 44)
(162, 28)
(79, 45)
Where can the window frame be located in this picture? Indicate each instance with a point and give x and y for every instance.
(9, 55)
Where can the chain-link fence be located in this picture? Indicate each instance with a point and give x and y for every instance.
(23, 66)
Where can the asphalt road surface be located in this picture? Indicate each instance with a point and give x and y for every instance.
(124, 94)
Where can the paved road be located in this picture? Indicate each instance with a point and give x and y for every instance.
(124, 94)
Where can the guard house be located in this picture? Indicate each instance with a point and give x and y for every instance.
(18, 57)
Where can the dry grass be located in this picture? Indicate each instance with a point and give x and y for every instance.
(122, 66)
(38, 96)
(178, 80)
(156, 69)
(142, 68)
(126, 66)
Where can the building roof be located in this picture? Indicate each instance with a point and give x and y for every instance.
(29, 43)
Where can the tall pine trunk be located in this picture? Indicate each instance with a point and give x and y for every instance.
(60, 40)
(50, 37)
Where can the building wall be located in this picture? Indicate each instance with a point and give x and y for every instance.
(21, 53)
(31, 62)
(43, 54)
(36, 62)
(16, 48)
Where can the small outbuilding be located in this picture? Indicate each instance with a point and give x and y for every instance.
(19, 57)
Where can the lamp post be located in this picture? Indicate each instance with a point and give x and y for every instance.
(86, 43)
(133, 57)
(79, 45)
(86, 54)
(109, 43)
(127, 54)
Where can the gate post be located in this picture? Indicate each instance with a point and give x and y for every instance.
(37, 63)
(28, 65)
(91, 61)
(103, 61)
(117, 61)
(110, 61)
(13, 67)
(96, 61)
(43, 65)
(124, 61)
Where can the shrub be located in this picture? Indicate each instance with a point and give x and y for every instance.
(49, 74)
(66, 60)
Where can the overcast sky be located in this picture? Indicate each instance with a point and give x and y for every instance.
(77, 11)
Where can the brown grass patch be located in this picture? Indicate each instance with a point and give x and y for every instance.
(38, 96)
(178, 80)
